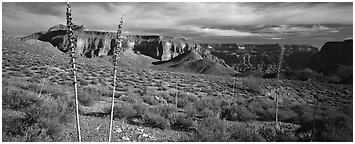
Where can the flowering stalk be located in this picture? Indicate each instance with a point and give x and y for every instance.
(278, 87)
(116, 51)
(72, 46)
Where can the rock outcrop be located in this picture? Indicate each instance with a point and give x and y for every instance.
(96, 43)
(262, 57)
(64, 27)
(193, 62)
(335, 60)
(333, 53)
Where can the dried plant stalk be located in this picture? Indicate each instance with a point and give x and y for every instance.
(278, 88)
(115, 63)
(72, 46)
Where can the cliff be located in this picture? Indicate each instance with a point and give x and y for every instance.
(333, 53)
(193, 62)
(96, 43)
(335, 60)
(262, 57)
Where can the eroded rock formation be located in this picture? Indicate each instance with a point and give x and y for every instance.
(333, 53)
(262, 57)
(96, 43)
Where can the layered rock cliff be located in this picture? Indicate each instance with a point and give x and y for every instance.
(333, 53)
(262, 57)
(96, 43)
(335, 60)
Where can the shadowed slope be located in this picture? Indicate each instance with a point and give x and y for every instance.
(192, 62)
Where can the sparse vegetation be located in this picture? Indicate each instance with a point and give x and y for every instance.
(34, 118)
(216, 130)
(207, 107)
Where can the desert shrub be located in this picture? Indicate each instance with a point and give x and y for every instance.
(25, 85)
(202, 104)
(34, 79)
(287, 115)
(304, 113)
(43, 121)
(268, 132)
(168, 97)
(263, 109)
(150, 100)
(60, 109)
(191, 98)
(85, 98)
(27, 72)
(102, 81)
(237, 113)
(208, 107)
(187, 97)
(124, 110)
(128, 99)
(15, 74)
(155, 121)
(329, 126)
(216, 130)
(82, 81)
(181, 121)
(87, 95)
(16, 130)
(253, 88)
(140, 109)
(284, 115)
(54, 91)
(94, 82)
(16, 99)
(189, 109)
(163, 110)
(181, 102)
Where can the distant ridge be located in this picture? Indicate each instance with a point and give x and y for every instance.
(192, 62)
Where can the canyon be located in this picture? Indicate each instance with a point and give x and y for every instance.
(262, 57)
(96, 43)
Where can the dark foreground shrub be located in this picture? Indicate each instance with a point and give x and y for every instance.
(43, 121)
(163, 110)
(155, 121)
(237, 113)
(216, 130)
(85, 98)
(330, 126)
(124, 110)
(17, 99)
(181, 122)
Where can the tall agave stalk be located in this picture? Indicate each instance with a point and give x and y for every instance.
(116, 52)
(45, 75)
(314, 117)
(278, 87)
(72, 46)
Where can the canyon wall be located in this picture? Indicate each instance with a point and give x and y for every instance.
(262, 57)
(96, 43)
(333, 53)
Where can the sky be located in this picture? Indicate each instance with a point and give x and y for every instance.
(202, 22)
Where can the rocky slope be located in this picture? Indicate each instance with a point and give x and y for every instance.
(335, 60)
(193, 62)
(95, 43)
(333, 53)
(245, 106)
(262, 57)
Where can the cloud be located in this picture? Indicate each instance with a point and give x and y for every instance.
(299, 30)
(191, 19)
(276, 38)
(218, 32)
